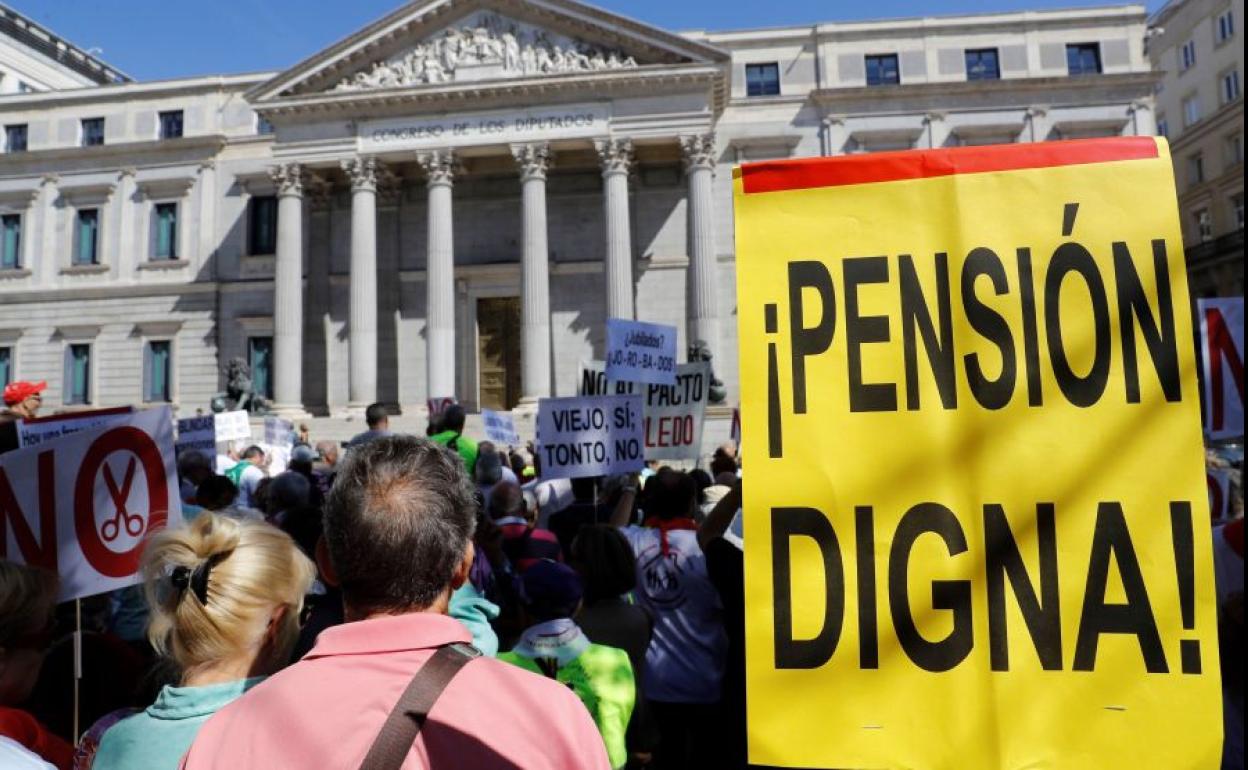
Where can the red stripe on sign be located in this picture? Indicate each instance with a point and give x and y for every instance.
(805, 173)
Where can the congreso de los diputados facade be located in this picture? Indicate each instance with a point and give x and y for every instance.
(452, 200)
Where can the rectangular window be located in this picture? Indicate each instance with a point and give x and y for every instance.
(1163, 128)
(166, 215)
(263, 126)
(157, 370)
(1191, 110)
(262, 225)
(1226, 26)
(11, 241)
(882, 70)
(1204, 225)
(1234, 149)
(1230, 86)
(77, 374)
(260, 358)
(1195, 168)
(87, 238)
(762, 79)
(15, 138)
(6, 366)
(92, 132)
(1187, 56)
(1083, 59)
(981, 64)
(171, 124)
(1237, 210)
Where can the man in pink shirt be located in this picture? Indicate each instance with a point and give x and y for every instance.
(398, 537)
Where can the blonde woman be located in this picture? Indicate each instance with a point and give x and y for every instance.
(225, 597)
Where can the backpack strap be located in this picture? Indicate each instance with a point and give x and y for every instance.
(395, 739)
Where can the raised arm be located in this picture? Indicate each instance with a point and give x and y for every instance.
(720, 517)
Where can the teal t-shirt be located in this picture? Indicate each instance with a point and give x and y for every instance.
(157, 737)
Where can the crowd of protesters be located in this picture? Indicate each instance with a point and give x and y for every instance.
(397, 601)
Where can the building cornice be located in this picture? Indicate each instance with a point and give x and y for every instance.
(155, 152)
(977, 23)
(127, 91)
(1024, 90)
(1228, 115)
(521, 90)
(106, 291)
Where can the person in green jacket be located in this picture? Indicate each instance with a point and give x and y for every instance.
(225, 597)
(554, 646)
(449, 433)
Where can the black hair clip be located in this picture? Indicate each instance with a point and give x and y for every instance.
(180, 577)
(197, 579)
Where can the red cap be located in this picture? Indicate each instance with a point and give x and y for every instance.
(17, 392)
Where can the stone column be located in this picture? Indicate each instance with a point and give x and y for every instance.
(534, 160)
(362, 312)
(44, 269)
(698, 153)
(288, 291)
(206, 226)
(128, 257)
(439, 168)
(617, 159)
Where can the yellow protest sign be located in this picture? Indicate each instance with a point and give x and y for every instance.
(976, 527)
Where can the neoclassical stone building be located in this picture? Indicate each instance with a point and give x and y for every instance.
(452, 200)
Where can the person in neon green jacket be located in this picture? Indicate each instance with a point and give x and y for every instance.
(554, 646)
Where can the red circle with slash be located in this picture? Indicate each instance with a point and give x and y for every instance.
(126, 438)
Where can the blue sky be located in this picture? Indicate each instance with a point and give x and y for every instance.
(152, 39)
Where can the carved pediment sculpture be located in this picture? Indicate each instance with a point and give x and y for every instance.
(486, 45)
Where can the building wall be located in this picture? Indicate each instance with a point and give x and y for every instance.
(1207, 152)
(219, 294)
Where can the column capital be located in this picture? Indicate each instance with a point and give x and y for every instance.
(389, 186)
(534, 160)
(320, 192)
(616, 155)
(1037, 111)
(362, 170)
(127, 171)
(51, 178)
(698, 151)
(935, 116)
(440, 167)
(288, 178)
(833, 120)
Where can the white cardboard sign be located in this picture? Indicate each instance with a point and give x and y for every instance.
(233, 426)
(84, 506)
(673, 415)
(199, 434)
(500, 427)
(40, 430)
(641, 352)
(590, 436)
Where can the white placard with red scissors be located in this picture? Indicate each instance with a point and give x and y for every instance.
(83, 505)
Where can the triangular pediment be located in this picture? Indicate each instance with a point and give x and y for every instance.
(441, 42)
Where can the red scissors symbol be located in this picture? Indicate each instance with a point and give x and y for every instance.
(133, 522)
